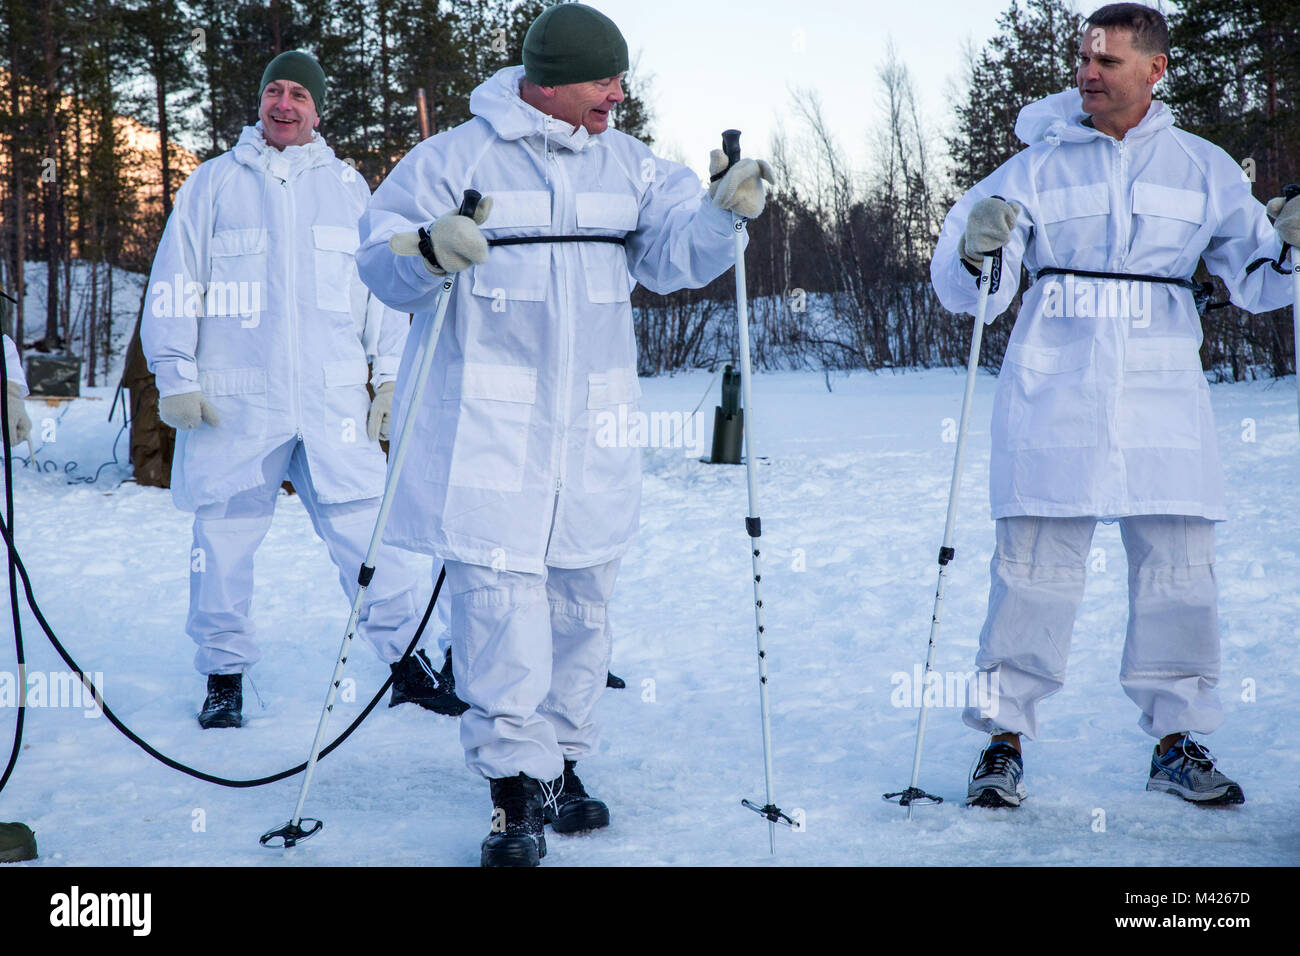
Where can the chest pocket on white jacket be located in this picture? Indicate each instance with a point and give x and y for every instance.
(520, 272)
(615, 431)
(336, 247)
(1161, 402)
(496, 410)
(237, 274)
(1076, 221)
(612, 214)
(1164, 221)
(1053, 400)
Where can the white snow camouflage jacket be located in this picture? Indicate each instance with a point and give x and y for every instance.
(506, 470)
(1101, 407)
(254, 299)
(14, 365)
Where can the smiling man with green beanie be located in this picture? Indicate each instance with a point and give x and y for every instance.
(263, 373)
(302, 69)
(524, 493)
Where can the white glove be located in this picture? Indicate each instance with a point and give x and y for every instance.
(381, 411)
(988, 229)
(187, 411)
(741, 190)
(20, 426)
(457, 242)
(1286, 218)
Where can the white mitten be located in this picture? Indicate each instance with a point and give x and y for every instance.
(1286, 218)
(457, 242)
(187, 410)
(20, 426)
(988, 229)
(740, 191)
(381, 411)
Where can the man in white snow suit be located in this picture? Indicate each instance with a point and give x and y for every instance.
(259, 333)
(508, 480)
(1101, 409)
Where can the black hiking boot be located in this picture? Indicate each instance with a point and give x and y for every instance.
(516, 838)
(572, 809)
(415, 680)
(224, 703)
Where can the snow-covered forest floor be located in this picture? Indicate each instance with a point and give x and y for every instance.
(852, 498)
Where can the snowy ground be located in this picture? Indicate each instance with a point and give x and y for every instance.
(852, 504)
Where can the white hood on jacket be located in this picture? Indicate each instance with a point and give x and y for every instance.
(498, 102)
(255, 152)
(1059, 118)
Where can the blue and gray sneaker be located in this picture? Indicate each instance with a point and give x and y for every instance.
(997, 779)
(1188, 770)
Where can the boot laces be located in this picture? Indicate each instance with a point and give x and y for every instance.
(1194, 753)
(996, 760)
(256, 694)
(422, 659)
(551, 790)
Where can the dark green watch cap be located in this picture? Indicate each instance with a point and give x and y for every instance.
(573, 43)
(301, 68)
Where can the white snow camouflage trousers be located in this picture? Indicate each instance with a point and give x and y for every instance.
(226, 537)
(1170, 665)
(530, 653)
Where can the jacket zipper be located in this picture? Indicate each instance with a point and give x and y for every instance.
(294, 372)
(1123, 195)
(560, 454)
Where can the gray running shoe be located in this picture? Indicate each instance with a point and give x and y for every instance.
(998, 778)
(1188, 770)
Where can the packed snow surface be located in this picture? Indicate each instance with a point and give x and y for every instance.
(852, 489)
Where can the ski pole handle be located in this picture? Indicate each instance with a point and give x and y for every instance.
(469, 202)
(731, 146)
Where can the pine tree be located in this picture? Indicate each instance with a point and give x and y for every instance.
(1235, 79)
(1033, 54)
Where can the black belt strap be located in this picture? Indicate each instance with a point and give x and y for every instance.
(1277, 265)
(1132, 277)
(426, 245)
(1202, 292)
(523, 240)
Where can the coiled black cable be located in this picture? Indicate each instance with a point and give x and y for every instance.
(18, 569)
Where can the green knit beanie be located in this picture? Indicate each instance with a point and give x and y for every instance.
(573, 43)
(301, 68)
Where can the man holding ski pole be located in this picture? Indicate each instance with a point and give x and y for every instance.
(514, 487)
(259, 334)
(1102, 411)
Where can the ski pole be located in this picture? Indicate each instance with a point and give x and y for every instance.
(753, 524)
(990, 275)
(293, 831)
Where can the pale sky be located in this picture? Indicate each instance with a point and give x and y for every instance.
(720, 64)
